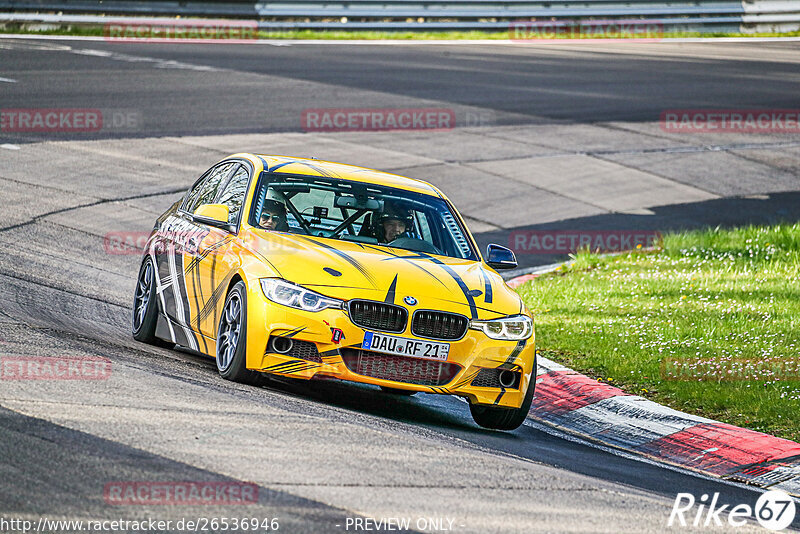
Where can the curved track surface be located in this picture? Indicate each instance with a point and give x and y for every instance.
(323, 452)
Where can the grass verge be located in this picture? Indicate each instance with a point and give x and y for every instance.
(98, 31)
(709, 325)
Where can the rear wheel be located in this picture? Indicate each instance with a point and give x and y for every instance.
(145, 307)
(232, 338)
(498, 418)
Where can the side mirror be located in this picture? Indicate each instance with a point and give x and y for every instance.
(500, 258)
(214, 215)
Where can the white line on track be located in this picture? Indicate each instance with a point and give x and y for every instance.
(8, 80)
(9, 146)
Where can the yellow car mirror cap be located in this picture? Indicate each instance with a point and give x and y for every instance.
(214, 215)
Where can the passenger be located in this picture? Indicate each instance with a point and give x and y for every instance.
(273, 216)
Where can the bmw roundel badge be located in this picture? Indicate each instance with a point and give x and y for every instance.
(411, 301)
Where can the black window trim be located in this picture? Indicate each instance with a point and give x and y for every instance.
(233, 228)
(250, 171)
(203, 177)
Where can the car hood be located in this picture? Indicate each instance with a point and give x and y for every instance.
(346, 270)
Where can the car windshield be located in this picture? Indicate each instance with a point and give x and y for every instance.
(359, 212)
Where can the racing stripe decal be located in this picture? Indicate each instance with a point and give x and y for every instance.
(509, 363)
(197, 287)
(160, 291)
(331, 357)
(500, 396)
(487, 287)
(181, 301)
(200, 257)
(266, 260)
(322, 171)
(279, 366)
(276, 167)
(476, 306)
(305, 366)
(392, 289)
(214, 293)
(461, 285)
(291, 366)
(213, 300)
(454, 275)
(396, 257)
(292, 333)
(466, 380)
(352, 261)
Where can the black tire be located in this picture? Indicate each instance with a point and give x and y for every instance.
(399, 392)
(232, 338)
(145, 305)
(497, 418)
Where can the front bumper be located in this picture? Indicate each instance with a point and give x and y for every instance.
(467, 358)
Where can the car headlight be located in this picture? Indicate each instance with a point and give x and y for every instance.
(288, 294)
(513, 328)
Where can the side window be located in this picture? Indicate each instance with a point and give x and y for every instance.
(206, 191)
(234, 192)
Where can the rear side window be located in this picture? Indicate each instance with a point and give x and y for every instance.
(233, 193)
(206, 191)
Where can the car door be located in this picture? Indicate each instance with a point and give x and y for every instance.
(210, 273)
(177, 256)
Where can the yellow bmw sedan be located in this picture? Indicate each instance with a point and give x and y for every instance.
(312, 269)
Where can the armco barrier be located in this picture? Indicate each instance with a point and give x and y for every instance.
(684, 15)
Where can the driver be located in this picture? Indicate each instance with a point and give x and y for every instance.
(393, 224)
(273, 215)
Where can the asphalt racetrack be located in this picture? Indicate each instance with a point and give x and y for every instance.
(552, 136)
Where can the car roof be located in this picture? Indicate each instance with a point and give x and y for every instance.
(329, 169)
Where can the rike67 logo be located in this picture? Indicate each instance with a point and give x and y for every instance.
(774, 510)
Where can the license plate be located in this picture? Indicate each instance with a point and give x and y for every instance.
(415, 348)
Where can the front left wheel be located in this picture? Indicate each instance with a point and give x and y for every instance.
(145, 307)
(232, 338)
(498, 418)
